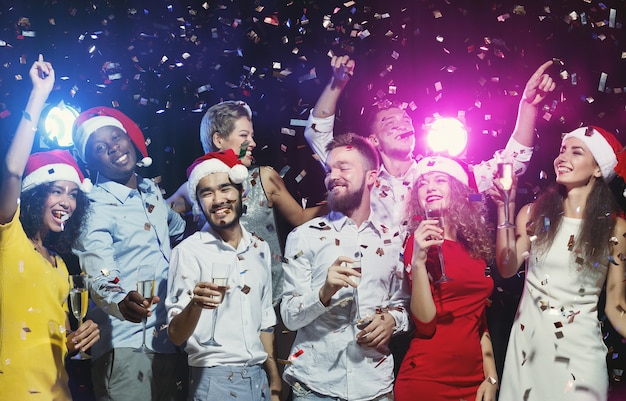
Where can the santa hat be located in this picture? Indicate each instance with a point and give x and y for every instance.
(454, 168)
(215, 162)
(53, 165)
(90, 120)
(605, 148)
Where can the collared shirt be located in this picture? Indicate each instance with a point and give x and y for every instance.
(127, 228)
(247, 306)
(325, 355)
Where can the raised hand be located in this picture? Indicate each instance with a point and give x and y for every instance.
(42, 75)
(343, 69)
(539, 85)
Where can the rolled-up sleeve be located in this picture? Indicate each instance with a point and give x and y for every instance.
(318, 133)
(95, 251)
(485, 171)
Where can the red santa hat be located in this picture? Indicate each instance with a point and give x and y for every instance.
(454, 168)
(605, 148)
(90, 120)
(53, 165)
(215, 162)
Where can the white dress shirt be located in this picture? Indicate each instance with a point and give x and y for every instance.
(325, 356)
(246, 308)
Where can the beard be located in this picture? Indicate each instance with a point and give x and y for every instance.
(348, 202)
(237, 210)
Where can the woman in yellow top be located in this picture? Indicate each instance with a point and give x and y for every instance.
(41, 208)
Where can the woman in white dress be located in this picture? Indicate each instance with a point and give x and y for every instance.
(572, 243)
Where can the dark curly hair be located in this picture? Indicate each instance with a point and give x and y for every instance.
(468, 217)
(598, 220)
(32, 205)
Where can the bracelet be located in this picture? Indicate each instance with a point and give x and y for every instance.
(503, 227)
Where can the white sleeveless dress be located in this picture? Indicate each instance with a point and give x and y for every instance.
(555, 350)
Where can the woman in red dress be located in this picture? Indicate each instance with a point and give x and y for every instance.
(450, 356)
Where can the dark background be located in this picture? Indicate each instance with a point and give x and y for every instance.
(150, 59)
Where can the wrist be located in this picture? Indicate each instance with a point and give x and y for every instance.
(492, 380)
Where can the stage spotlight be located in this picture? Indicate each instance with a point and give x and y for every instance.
(447, 135)
(55, 125)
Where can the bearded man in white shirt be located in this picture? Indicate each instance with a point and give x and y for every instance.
(343, 326)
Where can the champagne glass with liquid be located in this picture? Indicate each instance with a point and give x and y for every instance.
(356, 265)
(220, 273)
(434, 212)
(504, 161)
(79, 301)
(146, 284)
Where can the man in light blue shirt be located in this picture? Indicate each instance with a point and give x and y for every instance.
(340, 351)
(127, 239)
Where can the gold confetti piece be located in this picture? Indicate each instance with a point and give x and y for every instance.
(570, 243)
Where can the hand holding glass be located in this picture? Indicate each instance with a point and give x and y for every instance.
(435, 213)
(219, 276)
(79, 300)
(504, 161)
(145, 287)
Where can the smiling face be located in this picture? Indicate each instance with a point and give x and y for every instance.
(393, 133)
(220, 200)
(575, 165)
(110, 151)
(347, 179)
(433, 190)
(60, 205)
(242, 132)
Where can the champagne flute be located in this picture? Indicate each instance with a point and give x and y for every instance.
(356, 265)
(79, 301)
(434, 212)
(220, 273)
(146, 284)
(504, 176)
